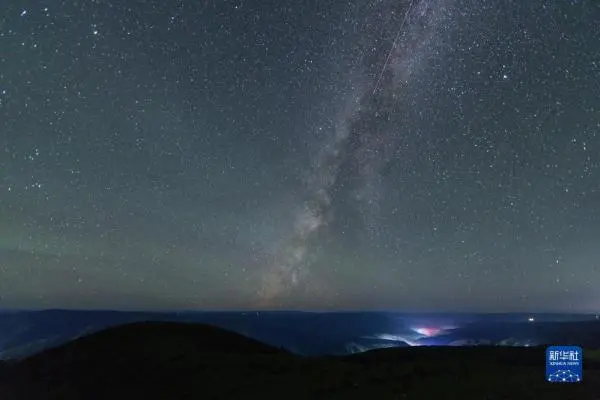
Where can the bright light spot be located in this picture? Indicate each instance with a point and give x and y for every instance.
(23, 13)
(429, 332)
(531, 319)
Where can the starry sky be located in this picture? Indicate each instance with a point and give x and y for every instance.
(377, 154)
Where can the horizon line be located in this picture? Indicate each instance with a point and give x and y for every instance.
(307, 311)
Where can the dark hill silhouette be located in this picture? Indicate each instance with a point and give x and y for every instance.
(154, 360)
(140, 337)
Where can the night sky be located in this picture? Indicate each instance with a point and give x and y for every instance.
(435, 155)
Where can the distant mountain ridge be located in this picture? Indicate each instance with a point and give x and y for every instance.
(24, 333)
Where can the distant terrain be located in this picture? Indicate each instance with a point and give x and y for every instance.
(24, 333)
(171, 360)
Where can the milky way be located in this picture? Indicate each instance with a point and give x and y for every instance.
(365, 137)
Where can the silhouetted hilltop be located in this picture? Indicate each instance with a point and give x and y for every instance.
(142, 357)
(163, 360)
(141, 337)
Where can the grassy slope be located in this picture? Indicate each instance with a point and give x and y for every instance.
(177, 361)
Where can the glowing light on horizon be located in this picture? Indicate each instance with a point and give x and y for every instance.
(428, 331)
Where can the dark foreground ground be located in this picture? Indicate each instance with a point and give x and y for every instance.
(179, 361)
